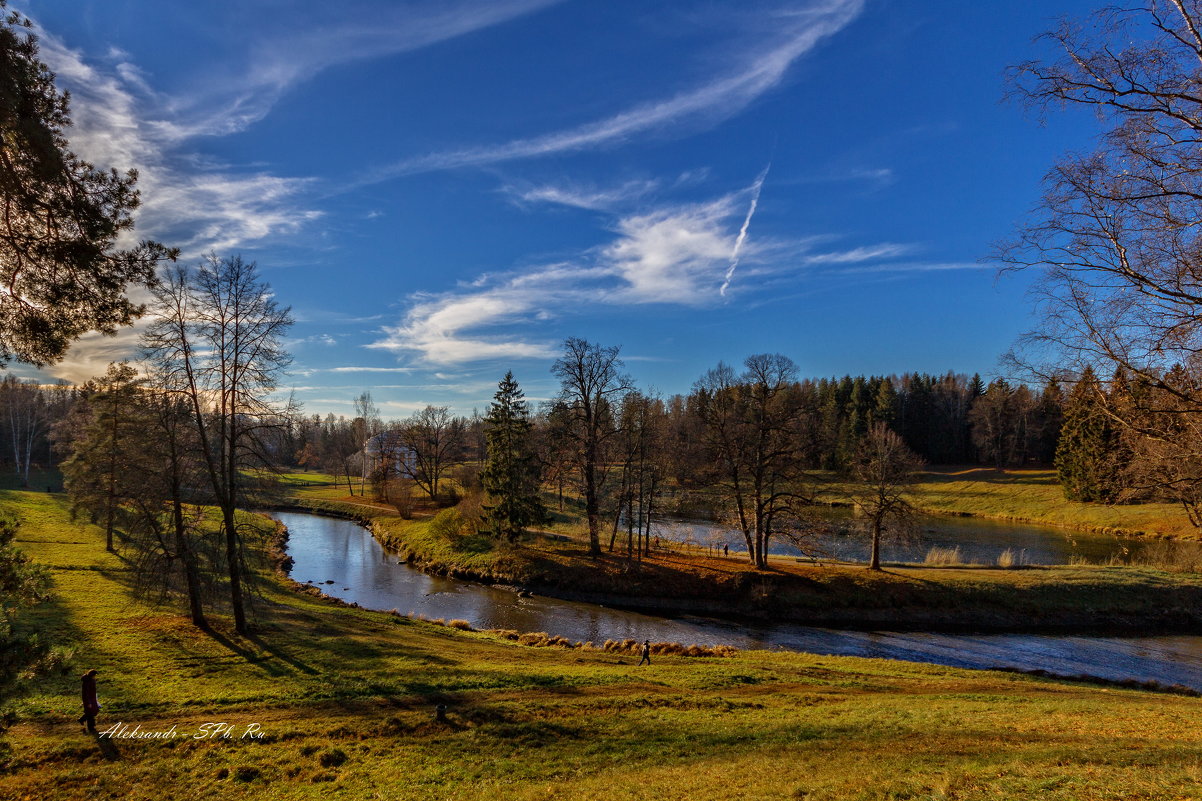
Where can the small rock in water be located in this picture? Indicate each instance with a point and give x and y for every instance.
(329, 581)
(345, 588)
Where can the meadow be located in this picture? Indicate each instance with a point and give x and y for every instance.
(345, 701)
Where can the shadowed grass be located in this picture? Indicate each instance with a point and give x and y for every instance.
(345, 700)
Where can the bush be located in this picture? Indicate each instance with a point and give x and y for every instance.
(448, 525)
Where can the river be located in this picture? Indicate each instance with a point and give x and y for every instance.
(976, 541)
(345, 561)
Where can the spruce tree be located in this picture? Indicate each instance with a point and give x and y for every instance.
(1083, 456)
(510, 475)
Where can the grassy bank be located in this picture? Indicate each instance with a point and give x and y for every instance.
(345, 699)
(1035, 496)
(925, 597)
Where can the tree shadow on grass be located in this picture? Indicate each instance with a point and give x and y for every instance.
(263, 654)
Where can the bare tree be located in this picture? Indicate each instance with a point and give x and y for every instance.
(24, 408)
(435, 437)
(217, 333)
(590, 383)
(1116, 238)
(641, 447)
(750, 432)
(883, 470)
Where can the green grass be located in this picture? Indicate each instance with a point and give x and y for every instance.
(345, 698)
(1032, 496)
(1036, 496)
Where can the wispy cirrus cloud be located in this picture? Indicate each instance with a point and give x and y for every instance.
(918, 267)
(121, 121)
(589, 198)
(349, 369)
(670, 255)
(677, 255)
(312, 38)
(755, 71)
(117, 124)
(885, 250)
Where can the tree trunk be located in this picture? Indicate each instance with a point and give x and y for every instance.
(591, 510)
(875, 562)
(191, 571)
(234, 557)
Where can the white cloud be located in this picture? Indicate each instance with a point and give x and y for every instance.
(917, 267)
(755, 72)
(583, 197)
(886, 250)
(312, 37)
(121, 121)
(674, 255)
(118, 123)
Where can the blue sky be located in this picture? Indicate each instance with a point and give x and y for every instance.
(444, 190)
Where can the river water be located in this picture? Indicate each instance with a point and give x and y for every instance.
(346, 562)
(977, 541)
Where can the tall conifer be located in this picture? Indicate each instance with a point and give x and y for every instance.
(1084, 455)
(510, 475)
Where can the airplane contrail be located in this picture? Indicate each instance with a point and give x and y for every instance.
(742, 237)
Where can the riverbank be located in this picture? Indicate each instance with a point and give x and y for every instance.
(340, 701)
(1074, 599)
(1035, 496)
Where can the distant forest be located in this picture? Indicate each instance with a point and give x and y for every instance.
(949, 419)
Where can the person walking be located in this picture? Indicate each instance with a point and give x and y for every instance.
(90, 705)
(646, 653)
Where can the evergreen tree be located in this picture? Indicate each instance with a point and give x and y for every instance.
(109, 442)
(884, 408)
(1084, 461)
(1050, 416)
(61, 268)
(510, 475)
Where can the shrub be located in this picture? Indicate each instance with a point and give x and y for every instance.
(462, 625)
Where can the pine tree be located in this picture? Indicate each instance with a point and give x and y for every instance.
(510, 475)
(104, 450)
(64, 219)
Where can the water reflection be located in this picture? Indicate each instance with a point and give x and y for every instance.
(347, 562)
(978, 541)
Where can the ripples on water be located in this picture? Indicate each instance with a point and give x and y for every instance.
(346, 562)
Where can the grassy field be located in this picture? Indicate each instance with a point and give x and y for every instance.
(345, 700)
(1035, 496)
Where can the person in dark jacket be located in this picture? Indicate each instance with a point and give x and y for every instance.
(646, 653)
(90, 705)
